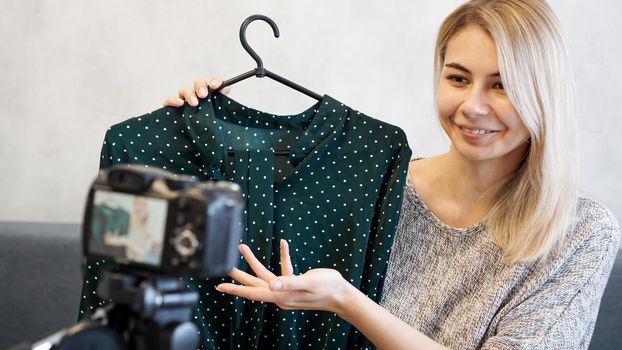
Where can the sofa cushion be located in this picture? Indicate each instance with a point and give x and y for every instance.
(608, 329)
(40, 278)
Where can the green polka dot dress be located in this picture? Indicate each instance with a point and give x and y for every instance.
(335, 198)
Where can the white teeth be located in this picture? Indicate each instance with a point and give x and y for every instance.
(476, 131)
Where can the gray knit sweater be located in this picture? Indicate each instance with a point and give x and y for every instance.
(452, 284)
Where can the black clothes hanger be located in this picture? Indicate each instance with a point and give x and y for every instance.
(261, 72)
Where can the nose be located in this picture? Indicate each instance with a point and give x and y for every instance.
(476, 103)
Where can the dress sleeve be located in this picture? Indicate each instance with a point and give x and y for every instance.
(561, 313)
(385, 221)
(111, 153)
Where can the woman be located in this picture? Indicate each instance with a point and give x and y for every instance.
(140, 244)
(494, 249)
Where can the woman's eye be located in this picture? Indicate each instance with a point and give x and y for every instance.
(457, 79)
(498, 86)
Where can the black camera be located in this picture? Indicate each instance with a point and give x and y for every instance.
(156, 227)
(150, 220)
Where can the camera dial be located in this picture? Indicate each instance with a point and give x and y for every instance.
(186, 243)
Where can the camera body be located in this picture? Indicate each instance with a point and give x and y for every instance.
(156, 227)
(152, 222)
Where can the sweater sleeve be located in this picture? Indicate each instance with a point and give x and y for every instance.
(561, 313)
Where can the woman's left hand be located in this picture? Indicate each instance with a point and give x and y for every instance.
(316, 289)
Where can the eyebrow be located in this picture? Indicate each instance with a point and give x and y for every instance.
(458, 66)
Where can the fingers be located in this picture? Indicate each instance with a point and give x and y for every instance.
(225, 90)
(252, 293)
(286, 262)
(200, 90)
(189, 96)
(246, 279)
(260, 270)
(216, 82)
(200, 87)
(173, 101)
(184, 94)
(288, 301)
(290, 283)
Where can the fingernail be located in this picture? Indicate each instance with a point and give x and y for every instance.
(194, 101)
(277, 285)
(214, 83)
(218, 287)
(179, 101)
(202, 91)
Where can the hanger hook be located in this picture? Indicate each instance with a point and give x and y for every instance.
(247, 47)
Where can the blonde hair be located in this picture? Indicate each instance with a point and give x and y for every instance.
(535, 207)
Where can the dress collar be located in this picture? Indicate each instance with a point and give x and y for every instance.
(321, 123)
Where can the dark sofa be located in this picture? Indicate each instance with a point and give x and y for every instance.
(40, 281)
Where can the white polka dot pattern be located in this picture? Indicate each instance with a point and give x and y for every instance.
(335, 199)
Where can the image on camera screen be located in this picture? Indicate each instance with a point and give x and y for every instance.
(127, 227)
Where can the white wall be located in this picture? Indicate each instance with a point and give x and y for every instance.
(71, 68)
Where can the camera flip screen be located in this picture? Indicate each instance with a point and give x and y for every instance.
(127, 227)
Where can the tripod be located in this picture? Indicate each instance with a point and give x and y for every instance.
(144, 313)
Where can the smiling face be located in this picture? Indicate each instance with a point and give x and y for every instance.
(473, 107)
(141, 211)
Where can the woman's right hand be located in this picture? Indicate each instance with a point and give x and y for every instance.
(191, 96)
